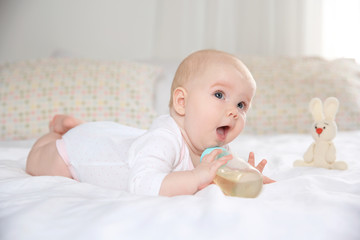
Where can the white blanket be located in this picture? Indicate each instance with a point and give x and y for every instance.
(304, 203)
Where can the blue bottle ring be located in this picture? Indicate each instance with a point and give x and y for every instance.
(209, 150)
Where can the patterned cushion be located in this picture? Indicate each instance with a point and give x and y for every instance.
(33, 91)
(285, 87)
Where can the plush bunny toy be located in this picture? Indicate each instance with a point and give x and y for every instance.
(322, 152)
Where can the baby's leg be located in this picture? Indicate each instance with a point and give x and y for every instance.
(44, 158)
(62, 123)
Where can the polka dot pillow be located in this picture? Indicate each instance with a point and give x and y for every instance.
(33, 91)
(285, 87)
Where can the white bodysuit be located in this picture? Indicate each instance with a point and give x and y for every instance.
(112, 155)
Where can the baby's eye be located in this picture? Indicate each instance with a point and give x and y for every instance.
(219, 95)
(241, 105)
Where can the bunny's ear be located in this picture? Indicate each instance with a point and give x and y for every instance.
(331, 106)
(316, 109)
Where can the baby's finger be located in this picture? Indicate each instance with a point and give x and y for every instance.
(211, 156)
(261, 165)
(251, 160)
(223, 160)
(267, 180)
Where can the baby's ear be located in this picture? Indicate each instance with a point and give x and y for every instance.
(179, 96)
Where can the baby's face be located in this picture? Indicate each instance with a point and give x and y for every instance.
(217, 102)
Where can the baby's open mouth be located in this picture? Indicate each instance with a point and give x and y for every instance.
(222, 132)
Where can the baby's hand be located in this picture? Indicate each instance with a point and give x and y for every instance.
(260, 167)
(206, 170)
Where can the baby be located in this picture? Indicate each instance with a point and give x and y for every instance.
(211, 94)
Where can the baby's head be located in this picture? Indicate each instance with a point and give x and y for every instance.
(210, 96)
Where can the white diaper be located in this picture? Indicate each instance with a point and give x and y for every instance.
(97, 153)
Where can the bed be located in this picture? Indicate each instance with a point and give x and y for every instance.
(304, 203)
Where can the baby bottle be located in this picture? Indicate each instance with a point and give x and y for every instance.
(237, 177)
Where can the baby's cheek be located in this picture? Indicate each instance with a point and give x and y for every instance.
(241, 123)
(242, 118)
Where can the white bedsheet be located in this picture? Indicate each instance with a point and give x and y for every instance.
(304, 203)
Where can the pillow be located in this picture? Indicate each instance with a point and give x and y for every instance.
(286, 85)
(33, 91)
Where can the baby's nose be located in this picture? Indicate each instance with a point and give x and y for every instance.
(233, 112)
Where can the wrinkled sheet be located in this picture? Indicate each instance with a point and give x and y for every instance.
(304, 203)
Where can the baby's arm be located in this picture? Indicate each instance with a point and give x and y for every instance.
(189, 182)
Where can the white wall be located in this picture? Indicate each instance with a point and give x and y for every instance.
(160, 29)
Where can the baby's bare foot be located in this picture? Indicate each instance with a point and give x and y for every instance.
(62, 123)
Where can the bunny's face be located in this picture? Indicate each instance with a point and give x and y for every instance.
(324, 130)
(324, 127)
